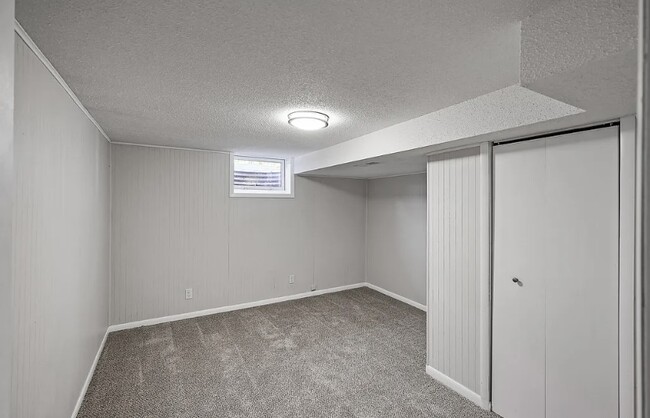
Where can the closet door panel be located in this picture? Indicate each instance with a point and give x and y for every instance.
(518, 307)
(582, 274)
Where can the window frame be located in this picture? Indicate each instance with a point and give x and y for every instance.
(287, 168)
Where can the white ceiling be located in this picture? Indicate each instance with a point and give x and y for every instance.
(222, 75)
(577, 66)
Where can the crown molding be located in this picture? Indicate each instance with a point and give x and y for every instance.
(20, 31)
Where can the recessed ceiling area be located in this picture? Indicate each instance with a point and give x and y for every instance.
(225, 75)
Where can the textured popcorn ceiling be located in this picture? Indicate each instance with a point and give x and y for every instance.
(575, 33)
(223, 74)
(575, 55)
(583, 52)
(398, 78)
(501, 110)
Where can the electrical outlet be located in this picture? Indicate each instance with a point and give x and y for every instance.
(292, 278)
(188, 293)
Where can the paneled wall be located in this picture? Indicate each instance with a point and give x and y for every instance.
(61, 243)
(6, 197)
(397, 231)
(456, 269)
(175, 227)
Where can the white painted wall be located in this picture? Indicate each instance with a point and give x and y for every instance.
(454, 293)
(6, 198)
(175, 227)
(642, 226)
(396, 236)
(61, 243)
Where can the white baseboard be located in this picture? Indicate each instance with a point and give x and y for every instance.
(459, 388)
(195, 314)
(84, 389)
(396, 296)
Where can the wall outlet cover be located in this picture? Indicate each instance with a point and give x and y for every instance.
(188, 293)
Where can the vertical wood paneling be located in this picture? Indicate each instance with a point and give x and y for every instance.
(396, 244)
(61, 243)
(453, 341)
(6, 198)
(338, 230)
(175, 227)
(170, 231)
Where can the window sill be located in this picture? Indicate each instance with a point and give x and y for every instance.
(263, 195)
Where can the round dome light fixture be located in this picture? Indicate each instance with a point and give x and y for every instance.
(308, 120)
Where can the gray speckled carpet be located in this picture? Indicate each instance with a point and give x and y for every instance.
(355, 353)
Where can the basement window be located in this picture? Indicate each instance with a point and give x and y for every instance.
(260, 177)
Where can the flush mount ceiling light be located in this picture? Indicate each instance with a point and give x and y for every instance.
(308, 120)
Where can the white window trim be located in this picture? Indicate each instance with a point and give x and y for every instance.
(288, 191)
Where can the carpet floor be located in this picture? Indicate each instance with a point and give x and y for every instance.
(356, 353)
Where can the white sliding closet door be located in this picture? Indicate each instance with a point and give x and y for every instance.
(556, 230)
(518, 343)
(582, 274)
